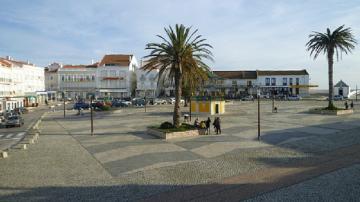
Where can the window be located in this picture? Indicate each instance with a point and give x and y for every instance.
(273, 81)
(93, 77)
(249, 83)
(291, 81)
(267, 81)
(62, 77)
(297, 81)
(51, 77)
(284, 81)
(234, 83)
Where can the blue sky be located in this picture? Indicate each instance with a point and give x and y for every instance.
(246, 35)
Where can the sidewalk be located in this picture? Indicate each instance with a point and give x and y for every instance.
(247, 186)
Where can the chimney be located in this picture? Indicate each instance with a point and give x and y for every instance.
(92, 61)
(8, 57)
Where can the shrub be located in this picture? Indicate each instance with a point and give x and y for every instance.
(166, 125)
(105, 108)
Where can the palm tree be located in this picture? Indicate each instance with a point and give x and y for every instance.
(179, 58)
(339, 41)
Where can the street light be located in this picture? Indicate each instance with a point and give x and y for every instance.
(145, 101)
(356, 92)
(91, 114)
(258, 97)
(63, 96)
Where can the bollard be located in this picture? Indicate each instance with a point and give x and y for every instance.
(3, 154)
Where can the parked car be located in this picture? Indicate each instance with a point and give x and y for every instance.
(172, 100)
(338, 97)
(294, 98)
(159, 101)
(120, 103)
(2, 121)
(248, 98)
(267, 96)
(81, 105)
(14, 121)
(139, 101)
(97, 104)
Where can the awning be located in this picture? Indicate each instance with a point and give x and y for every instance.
(113, 90)
(304, 86)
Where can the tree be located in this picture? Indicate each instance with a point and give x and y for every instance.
(339, 41)
(179, 57)
(193, 80)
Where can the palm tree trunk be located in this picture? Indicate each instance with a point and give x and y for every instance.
(177, 112)
(331, 83)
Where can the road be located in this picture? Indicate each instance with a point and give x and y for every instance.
(11, 136)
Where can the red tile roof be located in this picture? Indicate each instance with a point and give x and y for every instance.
(282, 72)
(116, 60)
(74, 66)
(236, 74)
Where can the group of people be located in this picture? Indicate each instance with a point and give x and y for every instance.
(347, 105)
(216, 124)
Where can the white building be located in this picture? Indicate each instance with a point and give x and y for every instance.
(113, 76)
(342, 89)
(146, 84)
(77, 81)
(235, 84)
(21, 84)
(291, 82)
(52, 81)
(116, 76)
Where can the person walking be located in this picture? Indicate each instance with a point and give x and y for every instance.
(218, 125)
(346, 105)
(352, 105)
(208, 121)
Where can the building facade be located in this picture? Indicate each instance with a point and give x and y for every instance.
(113, 76)
(21, 84)
(342, 89)
(235, 84)
(146, 83)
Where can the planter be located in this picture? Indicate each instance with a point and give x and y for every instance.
(171, 135)
(332, 112)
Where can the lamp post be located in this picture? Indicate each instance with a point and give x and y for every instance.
(63, 96)
(145, 101)
(258, 97)
(91, 115)
(356, 92)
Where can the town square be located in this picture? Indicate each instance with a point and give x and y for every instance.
(179, 101)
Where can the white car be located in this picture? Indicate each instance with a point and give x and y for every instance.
(172, 101)
(159, 101)
(294, 98)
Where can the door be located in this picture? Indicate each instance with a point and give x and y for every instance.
(341, 92)
(216, 108)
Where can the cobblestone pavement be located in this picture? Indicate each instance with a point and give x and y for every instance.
(121, 157)
(340, 185)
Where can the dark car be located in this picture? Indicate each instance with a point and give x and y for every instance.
(138, 102)
(81, 105)
(14, 121)
(97, 104)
